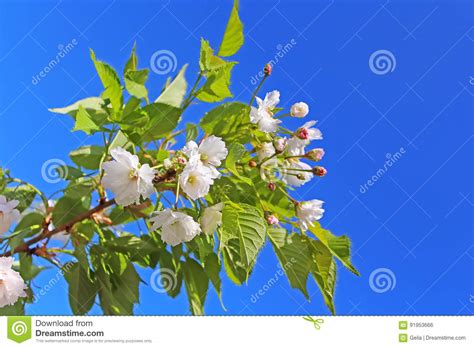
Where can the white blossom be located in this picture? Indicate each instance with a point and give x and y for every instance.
(176, 227)
(126, 178)
(299, 109)
(308, 212)
(12, 285)
(8, 214)
(211, 218)
(296, 173)
(263, 115)
(211, 151)
(196, 179)
(296, 146)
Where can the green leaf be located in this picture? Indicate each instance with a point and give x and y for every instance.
(90, 104)
(130, 244)
(16, 309)
(234, 33)
(340, 246)
(82, 289)
(217, 85)
(117, 294)
(229, 121)
(84, 122)
(174, 93)
(236, 152)
(163, 119)
(205, 55)
(293, 255)
(246, 226)
(28, 270)
(22, 193)
(132, 63)
(88, 157)
(110, 81)
(197, 284)
(68, 173)
(323, 269)
(135, 83)
(212, 267)
(67, 208)
(171, 274)
(120, 140)
(191, 131)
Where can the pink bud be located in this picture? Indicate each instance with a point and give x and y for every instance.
(319, 171)
(272, 220)
(302, 133)
(315, 154)
(271, 186)
(267, 69)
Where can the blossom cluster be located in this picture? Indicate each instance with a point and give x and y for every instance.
(196, 167)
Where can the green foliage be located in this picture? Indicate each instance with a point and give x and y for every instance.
(234, 33)
(229, 121)
(82, 289)
(102, 256)
(242, 237)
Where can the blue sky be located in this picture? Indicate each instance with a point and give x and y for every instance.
(415, 220)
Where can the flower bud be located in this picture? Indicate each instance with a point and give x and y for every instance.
(272, 220)
(271, 186)
(299, 109)
(302, 133)
(280, 144)
(267, 69)
(181, 160)
(315, 154)
(252, 164)
(319, 171)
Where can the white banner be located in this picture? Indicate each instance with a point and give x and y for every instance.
(230, 332)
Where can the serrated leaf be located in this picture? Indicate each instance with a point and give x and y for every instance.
(197, 284)
(24, 194)
(82, 289)
(217, 85)
(247, 226)
(174, 93)
(92, 103)
(88, 156)
(110, 81)
(84, 122)
(163, 119)
(229, 121)
(234, 33)
(340, 246)
(323, 269)
(135, 83)
(294, 257)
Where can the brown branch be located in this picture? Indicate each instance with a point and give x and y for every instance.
(25, 247)
(66, 226)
